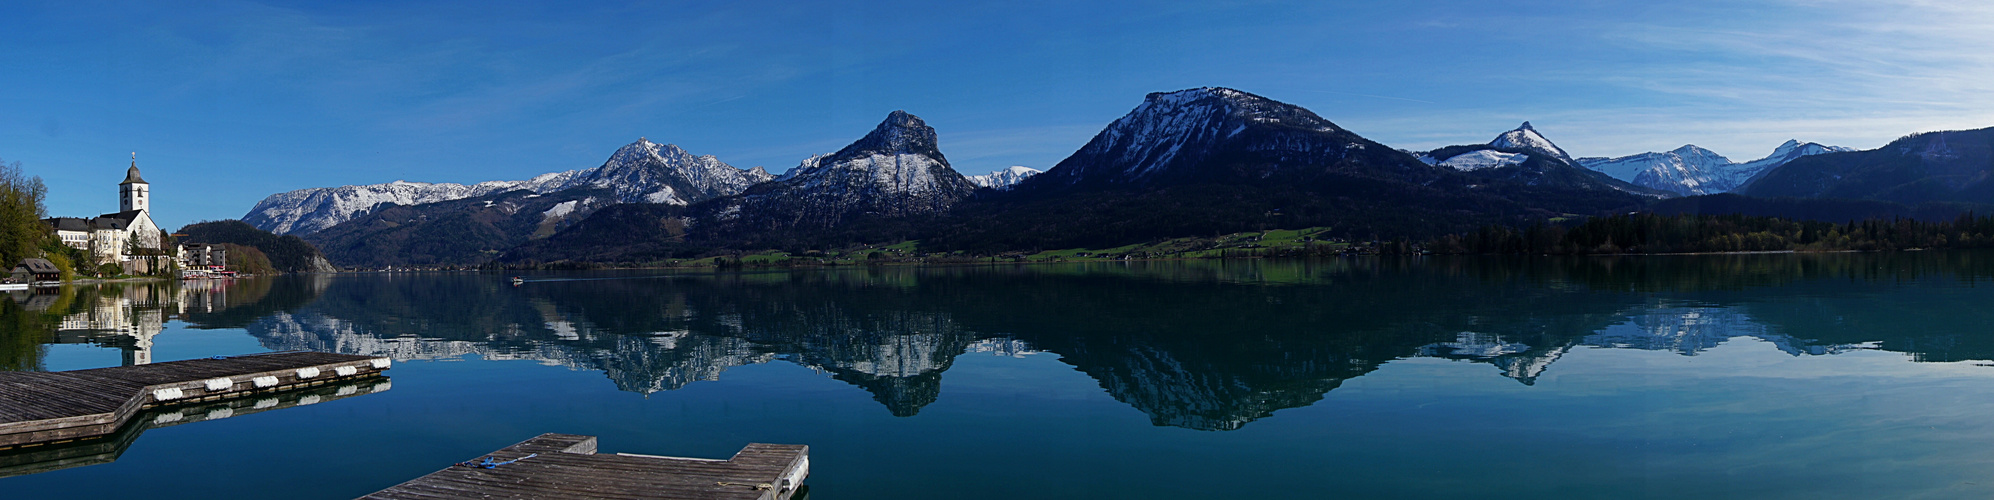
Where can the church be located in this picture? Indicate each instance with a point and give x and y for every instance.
(127, 237)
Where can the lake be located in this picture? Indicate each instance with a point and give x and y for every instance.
(1725, 376)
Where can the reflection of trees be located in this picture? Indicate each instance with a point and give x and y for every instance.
(235, 303)
(29, 320)
(1202, 345)
(119, 315)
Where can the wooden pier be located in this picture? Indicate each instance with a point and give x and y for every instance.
(107, 449)
(567, 466)
(44, 408)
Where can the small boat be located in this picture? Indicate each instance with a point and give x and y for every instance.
(13, 287)
(516, 281)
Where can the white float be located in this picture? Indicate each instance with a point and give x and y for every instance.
(167, 394)
(346, 371)
(265, 381)
(380, 363)
(304, 373)
(220, 384)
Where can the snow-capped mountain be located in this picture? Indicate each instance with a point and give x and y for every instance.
(1786, 153)
(1004, 179)
(641, 172)
(1692, 171)
(1526, 138)
(896, 170)
(307, 211)
(1221, 135)
(649, 172)
(1525, 157)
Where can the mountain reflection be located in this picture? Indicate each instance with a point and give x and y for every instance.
(1201, 345)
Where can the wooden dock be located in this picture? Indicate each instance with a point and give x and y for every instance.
(39, 459)
(567, 466)
(43, 408)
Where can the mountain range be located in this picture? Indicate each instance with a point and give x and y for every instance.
(1526, 156)
(1691, 170)
(641, 172)
(1198, 161)
(1951, 166)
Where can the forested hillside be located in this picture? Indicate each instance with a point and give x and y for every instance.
(288, 254)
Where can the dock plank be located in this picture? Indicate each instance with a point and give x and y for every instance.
(567, 466)
(40, 407)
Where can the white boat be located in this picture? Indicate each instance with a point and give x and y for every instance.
(10, 287)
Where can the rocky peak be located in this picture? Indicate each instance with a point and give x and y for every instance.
(1786, 147)
(1526, 138)
(901, 134)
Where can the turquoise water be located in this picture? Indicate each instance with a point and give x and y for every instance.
(1754, 376)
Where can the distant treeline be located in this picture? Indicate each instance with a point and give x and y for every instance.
(1654, 233)
(1816, 209)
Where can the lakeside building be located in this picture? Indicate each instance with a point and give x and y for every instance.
(202, 257)
(36, 271)
(127, 237)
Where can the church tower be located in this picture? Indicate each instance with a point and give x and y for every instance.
(134, 193)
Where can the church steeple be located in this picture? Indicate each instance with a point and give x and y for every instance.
(134, 192)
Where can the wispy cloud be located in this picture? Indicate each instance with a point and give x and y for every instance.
(1740, 77)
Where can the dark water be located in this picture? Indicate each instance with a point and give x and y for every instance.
(1765, 376)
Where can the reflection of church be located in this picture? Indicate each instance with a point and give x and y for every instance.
(128, 322)
(127, 237)
(129, 319)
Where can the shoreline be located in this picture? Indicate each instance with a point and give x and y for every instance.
(987, 262)
(95, 281)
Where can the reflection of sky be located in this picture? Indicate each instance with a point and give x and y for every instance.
(174, 343)
(1741, 419)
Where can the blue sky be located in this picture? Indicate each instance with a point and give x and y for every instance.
(227, 102)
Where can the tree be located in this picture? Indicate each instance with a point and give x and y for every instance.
(62, 263)
(22, 231)
(247, 259)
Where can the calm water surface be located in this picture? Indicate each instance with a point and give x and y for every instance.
(1765, 376)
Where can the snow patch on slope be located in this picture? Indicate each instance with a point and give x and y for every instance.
(1477, 160)
(560, 210)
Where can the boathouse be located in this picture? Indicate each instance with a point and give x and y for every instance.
(38, 270)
